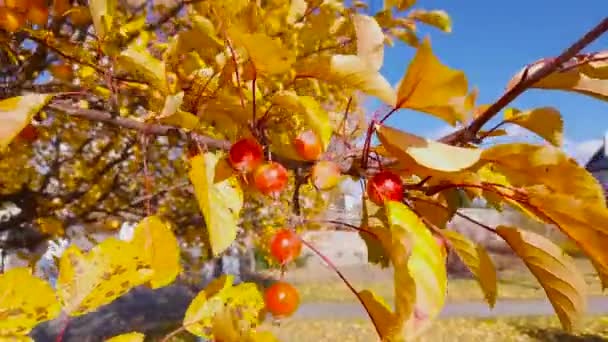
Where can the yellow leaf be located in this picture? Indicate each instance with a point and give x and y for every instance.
(380, 313)
(144, 67)
(437, 18)
(425, 152)
(220, 203)
(297, 9)
(402, 5)
(50, 225)
(370, 40)
(16, 113)
(545, 121)
(348, 70)
(102, 12)
(478, 261)
(109, 270)
(555, 270)
(16, 338)
(261, 336)
(25, 301)
(157, 245)
(220, 293)
(572, 80)
(527, 165)
(602, 273)
(597, 67)
(268, 55)
(406, 35)
(426, 265)
(429, 86)
(128, 337)
(580, 220)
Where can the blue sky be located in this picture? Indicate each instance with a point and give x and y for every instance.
(491, 41)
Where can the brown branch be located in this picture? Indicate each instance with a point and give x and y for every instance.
(469, 133)
(147, 128)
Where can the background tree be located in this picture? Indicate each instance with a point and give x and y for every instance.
(119, 111)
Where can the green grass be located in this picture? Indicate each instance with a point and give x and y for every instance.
(448, 330)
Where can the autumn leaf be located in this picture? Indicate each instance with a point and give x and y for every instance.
(602, 273)
(352, 71)
(102, 12)
(527, 165)
(597, 66)
(575, 79)
(436, 18)
(16, 113)
(220, 202)
(401, 5)
(370, 40)
(476, 258)
(143, 66)
(426, 153)
(429, 86)
(218, 295)
(268, 55)
(128, 337)
(545, 121)
(106, 272)
(297, 8)
(20, 311)
(426, 265)
(380, 313)
(555, 270)
(582, 221)
(157, 245)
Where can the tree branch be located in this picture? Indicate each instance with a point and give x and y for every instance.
(469, 133)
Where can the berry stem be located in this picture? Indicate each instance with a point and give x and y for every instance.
(346, 282)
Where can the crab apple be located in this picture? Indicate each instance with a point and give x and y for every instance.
(61, 71)
(308, 145)
(38, 15)
(270, 178)
(385, 186)
(281, 299)
(29, 133)
(325, 174)
(285, 245)
(245, 155)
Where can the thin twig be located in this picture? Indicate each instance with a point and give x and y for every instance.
(346, 282)
(347, 225)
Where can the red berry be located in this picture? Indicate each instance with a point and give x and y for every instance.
(29, 133)
(385, 186)
(285, 245)
(308, 145)
(245, 155)
(281, 299)
(270, 178)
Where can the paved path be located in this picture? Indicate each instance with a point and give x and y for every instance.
(503, 308)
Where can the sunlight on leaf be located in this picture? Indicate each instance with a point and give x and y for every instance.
(25, 301)
(297, 9)
(476, 258)
(16, 113)
(220, 203)
(109, 270)
(128, 337)
(380, 313)
(370, 40)
(555, 271)
(268, 55)
(545, 121)
(426, 266)
(426, 152)
(144, 67)
(526, 165)
(436, 18)
(218, 295)
(102, 12)
(429, 86)
(351, 70)
(157, 244)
